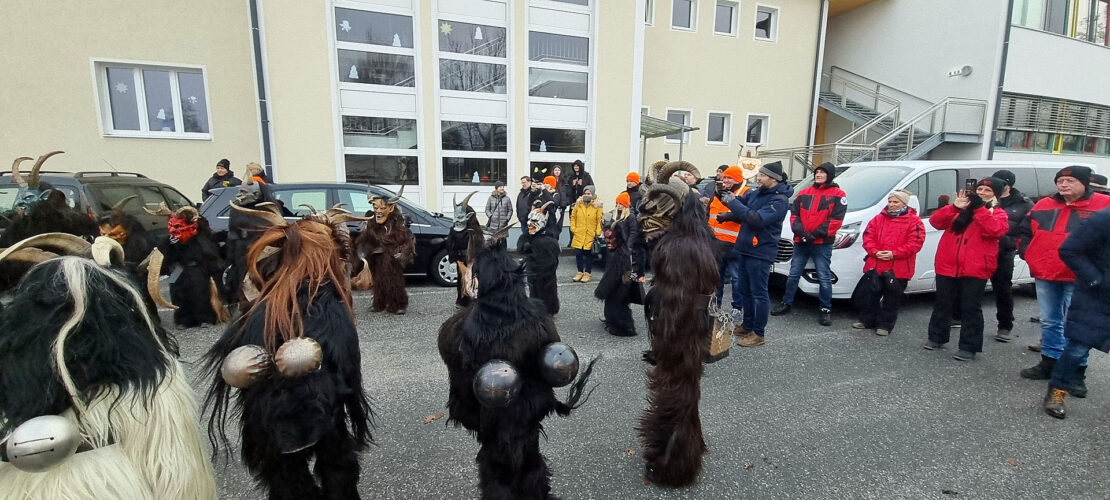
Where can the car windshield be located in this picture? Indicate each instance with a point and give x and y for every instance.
(7, 196)
(864, 185)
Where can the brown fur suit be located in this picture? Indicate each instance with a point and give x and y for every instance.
(685, 278)
(388, 247)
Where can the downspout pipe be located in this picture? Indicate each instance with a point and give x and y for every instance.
(819, 61)
(989, 134)
(260, 79)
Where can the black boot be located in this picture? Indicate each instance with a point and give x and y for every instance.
(1079, 383)
(1054, 402)
(1042, 371)
(781, 309)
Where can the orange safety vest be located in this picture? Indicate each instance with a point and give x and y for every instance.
(724, 231)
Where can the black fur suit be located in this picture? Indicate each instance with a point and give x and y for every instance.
(541, 259)
(616, 284)
(457, 243)
(51, 215)
(242, 231)
(388, 248)
(504, 324)
(323, 415)
(199, 261)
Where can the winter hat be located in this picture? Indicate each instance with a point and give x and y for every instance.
(1098, 183)
(996, 184)
(735, 173)
(829, 170)
(902, 195)
(591, 188)
(773, 170)
(622, 199)
(224, 163)
(1077, 172)
(1007, 176)
(633, 177)
(499, 184)
(550, 180)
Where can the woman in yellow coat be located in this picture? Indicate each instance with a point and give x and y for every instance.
(585, 225)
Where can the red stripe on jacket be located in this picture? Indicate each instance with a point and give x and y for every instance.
(818, 210)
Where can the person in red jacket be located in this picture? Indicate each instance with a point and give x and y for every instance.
(815, 217)
(891, 240)
(966, 258)
(1042, 232)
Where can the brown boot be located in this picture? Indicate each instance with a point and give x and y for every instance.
(739, 332)
(752, 340)
(585, 278)
(1054, 402)
(577, 277)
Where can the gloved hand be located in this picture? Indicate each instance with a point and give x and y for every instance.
(726, 197)
(974, 202)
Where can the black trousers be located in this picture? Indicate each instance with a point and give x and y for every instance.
(1002, 281)
(967, 294)
(880, 298)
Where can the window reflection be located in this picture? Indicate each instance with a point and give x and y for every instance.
(549, 47)
(373, 27)
(467, 136)
(381, 169)
(374, 132)
(470, 76)
(377, 69)
(553, 140)
(472, 39)
(474, 171)
(557, 84)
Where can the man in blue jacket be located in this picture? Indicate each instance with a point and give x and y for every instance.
(761, 212)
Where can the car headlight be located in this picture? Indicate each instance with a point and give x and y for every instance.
(846, 235)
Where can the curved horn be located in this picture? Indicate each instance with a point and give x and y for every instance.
(16, 177)
(670, 190)
(466, 201)
(653, 172)
(106, 252)
(118, 209)
(163, 210)
(33, 179)
(670, 168)
(397, 197)
(59, 243)
(502, 233)
(30, 255)
(153, 272)
(309, 207)
(543, 208)
(272, 218)
(454, 198)
(346, 217)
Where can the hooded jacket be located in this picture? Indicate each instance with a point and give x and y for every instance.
(1016, 206)
(499, 210)
(761, 212)
(818, 211)
(219, 181)
(904, 235)
(974, 252)
(1046, 226)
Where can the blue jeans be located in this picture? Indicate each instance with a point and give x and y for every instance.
(584, 259)
(1053, 299)
(822, 256)
(730, 272)
(753, 278)
(1073, 356)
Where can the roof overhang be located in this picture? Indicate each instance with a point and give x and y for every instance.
(654, 127)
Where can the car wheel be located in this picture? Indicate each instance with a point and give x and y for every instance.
(443, 270)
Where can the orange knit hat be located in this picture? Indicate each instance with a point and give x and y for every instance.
(550, 180)
(622, 199)
(734, 173)
(633, 176)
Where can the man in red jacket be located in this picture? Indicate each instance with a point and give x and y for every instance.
(1043, 230)
(966, 258)
(892, 240)
(817, 214)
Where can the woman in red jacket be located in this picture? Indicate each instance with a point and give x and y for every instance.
(892, 240)
(966, 258)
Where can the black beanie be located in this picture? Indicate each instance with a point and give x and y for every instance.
(829, 170)
(995, 183)
(1078, 172)
(223, 163)
(1006, 176)
(773, 170)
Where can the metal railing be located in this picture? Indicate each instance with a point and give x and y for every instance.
(954, 115)
(911, 104)
(859, 135)
(849, 90)
(801, 160)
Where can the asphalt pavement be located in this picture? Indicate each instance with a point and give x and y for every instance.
(818, 412)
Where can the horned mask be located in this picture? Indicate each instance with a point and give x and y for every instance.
(537, 218)
(30, 189)
(250, 192)
(462, 215)
(112, 226)
(663, 196)
(383, 206)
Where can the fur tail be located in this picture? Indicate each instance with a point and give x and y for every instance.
(575, 397)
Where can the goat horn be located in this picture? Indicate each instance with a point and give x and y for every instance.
(346, 217)
(106, 252)
(309, 207)
(59, 243)
(153, 272)
(502, 233)
(16, 177)
(466, 201)
(33, 180)
(543, 208)
(397, 197)
(653, 172)
(266, 215)
(674, 166)
(163, 210)
(118, 209)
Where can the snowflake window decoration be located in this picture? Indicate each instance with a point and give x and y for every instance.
(445, 28)
(122, 88)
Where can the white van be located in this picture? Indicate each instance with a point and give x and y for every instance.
(867, 185)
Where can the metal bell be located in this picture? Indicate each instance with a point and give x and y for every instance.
(42, 443)
(496, 384)
(299, 356)
(245, 365)
(558, 364)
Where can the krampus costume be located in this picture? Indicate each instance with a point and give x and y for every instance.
(193, 262)
(617, 285)
(128, 232)
(506, 330)
(465, 232)
(294, 356)
(243, 228)
(541, 257)
(388, 246)
(685, 280)
(90, 374)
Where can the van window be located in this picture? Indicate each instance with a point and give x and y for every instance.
(934, 190)
(1046, 180)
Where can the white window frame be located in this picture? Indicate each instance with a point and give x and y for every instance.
(685, 135)
(379, 49)
(775, 12)
(570, 68)
(104, 102)
(734, 23)
(693, 18)
(766, 129)
(727, 132)
(503, 61)
(645, 110)
(649, 13)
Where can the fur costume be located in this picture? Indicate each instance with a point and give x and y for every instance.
(324, 414)
(243, 228)
(504, 324)
(77, 342)
(685, 280)
(193, 262)
(616, 284)
(128, 232)
(388, 246)
(465, 232)
(541, 257)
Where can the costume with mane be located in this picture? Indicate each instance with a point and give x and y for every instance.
(192, 260)
(465, 232)
(387, 245)
(541, 256)
(617, 284)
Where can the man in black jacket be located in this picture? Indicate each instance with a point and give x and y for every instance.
(223, 177)
(1016, 206)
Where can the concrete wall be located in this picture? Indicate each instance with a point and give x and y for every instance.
(49, 101)
(1051, 65)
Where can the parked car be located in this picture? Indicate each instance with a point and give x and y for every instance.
(932, 183)
(429, 228)
(95, 193)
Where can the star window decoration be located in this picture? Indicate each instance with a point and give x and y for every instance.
(445, 28)
(122, 88)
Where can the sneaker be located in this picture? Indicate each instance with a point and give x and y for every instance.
(737, 316)
(881, 332)
(585, 278)
(1054, 402)
(859, 326)
(752, 340)
(963, 355)
(781, 309)
(1003, 335)
(1035, 347)
(956, 323)
(932, 346)
(577, 277)
(825, 317)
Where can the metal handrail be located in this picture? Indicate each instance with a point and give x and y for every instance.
(911, 127)
(875, 96)
(892, 114)
(809, 157)
(878, 85)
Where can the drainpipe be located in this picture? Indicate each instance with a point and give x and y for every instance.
(818, 62)
(989, 134)
(260, 78)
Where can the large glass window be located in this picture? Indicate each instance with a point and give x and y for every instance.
(1056, 17)
(381, 169)
(555, 140)
(469, 76)
(549, 47)
(375, 28)
(575, 2)
(474, 171)
(374, 132)
(374, 68)
(468, 136)
(557, 84)
(153, 101)
(473, 39)
(1028, 13)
